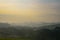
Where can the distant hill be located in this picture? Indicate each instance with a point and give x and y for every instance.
(4, 25)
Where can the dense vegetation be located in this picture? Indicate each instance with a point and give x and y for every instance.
(45, 32)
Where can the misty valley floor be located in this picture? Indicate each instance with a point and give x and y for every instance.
(45, 32)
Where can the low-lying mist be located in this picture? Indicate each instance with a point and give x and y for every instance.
(44, 31)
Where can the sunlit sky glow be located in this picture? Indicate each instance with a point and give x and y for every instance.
(20, 11)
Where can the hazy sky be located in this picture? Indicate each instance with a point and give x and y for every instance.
(20, 11)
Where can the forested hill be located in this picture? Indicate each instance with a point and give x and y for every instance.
(6, 30)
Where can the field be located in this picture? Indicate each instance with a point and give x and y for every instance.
(14, 39)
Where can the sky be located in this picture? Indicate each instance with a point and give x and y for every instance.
(21, 11)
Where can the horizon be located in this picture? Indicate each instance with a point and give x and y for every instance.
(29, 24)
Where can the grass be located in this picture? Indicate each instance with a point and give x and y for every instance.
(15, 39)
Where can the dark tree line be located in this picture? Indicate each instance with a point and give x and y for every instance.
(47, 34)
